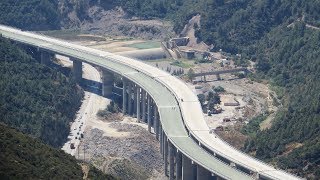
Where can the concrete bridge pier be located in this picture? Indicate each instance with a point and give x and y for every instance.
(124, 96)
(165, 154)
(178, 165)
(156, 122)
(138, 104)
(45, 57)
(107, 83)
(135, 100)
(161, 137)
(171, 161)
(144, 105)
(77, 69)
(202, 173)
(130, 98)
(34, 51)
(187, 169)
(149, 112)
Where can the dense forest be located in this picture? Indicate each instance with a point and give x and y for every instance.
(290, 56)
(30, 14)
(23, 157)
(34, 98)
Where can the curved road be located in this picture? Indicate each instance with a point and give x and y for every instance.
(179, 109)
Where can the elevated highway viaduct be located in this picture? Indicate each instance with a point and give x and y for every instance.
(173, 113)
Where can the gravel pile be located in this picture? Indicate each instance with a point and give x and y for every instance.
(140, 148)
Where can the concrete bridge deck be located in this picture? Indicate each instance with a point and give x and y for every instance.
(190, 151)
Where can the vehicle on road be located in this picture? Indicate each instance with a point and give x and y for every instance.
(72, 146)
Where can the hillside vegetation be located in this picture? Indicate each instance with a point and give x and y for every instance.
(290, 56)
(30, 14)
(34, 98)
(23, 157)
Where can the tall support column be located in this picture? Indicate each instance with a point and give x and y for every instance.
(165, 158)
(77, 70)
(156, 122)
(179, 166)
(34, 52)
(124, 96)
(45, 57)
(202, 173)
(130, 98)
(171, 161)
(187, 169)
(149, 113)
(107, 83)
(138, 104)
(161, 138)
(144, 106)
(135, 92)
(194, 171)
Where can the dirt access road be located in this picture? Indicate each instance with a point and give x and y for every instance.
(117, 141)
(90, 106)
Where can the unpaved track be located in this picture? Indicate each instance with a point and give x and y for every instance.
(89, 108)
(106, 141)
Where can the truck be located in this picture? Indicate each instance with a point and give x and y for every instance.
(72, 146)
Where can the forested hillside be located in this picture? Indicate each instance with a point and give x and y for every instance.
(23, 157)
(291, 57)
(30, 14)
(34, 98)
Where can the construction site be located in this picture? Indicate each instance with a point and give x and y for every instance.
(229, 100)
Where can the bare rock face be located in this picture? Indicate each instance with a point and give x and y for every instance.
(73, 12)
(116, 22)
(89, 16)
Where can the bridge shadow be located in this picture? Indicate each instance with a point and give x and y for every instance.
(91, 86)
(86, 84)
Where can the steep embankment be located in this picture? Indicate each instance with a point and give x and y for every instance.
(23, 157)
(34, 98)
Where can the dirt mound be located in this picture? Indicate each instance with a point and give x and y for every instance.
(135, 155)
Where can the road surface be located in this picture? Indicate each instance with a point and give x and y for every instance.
(91, 104)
